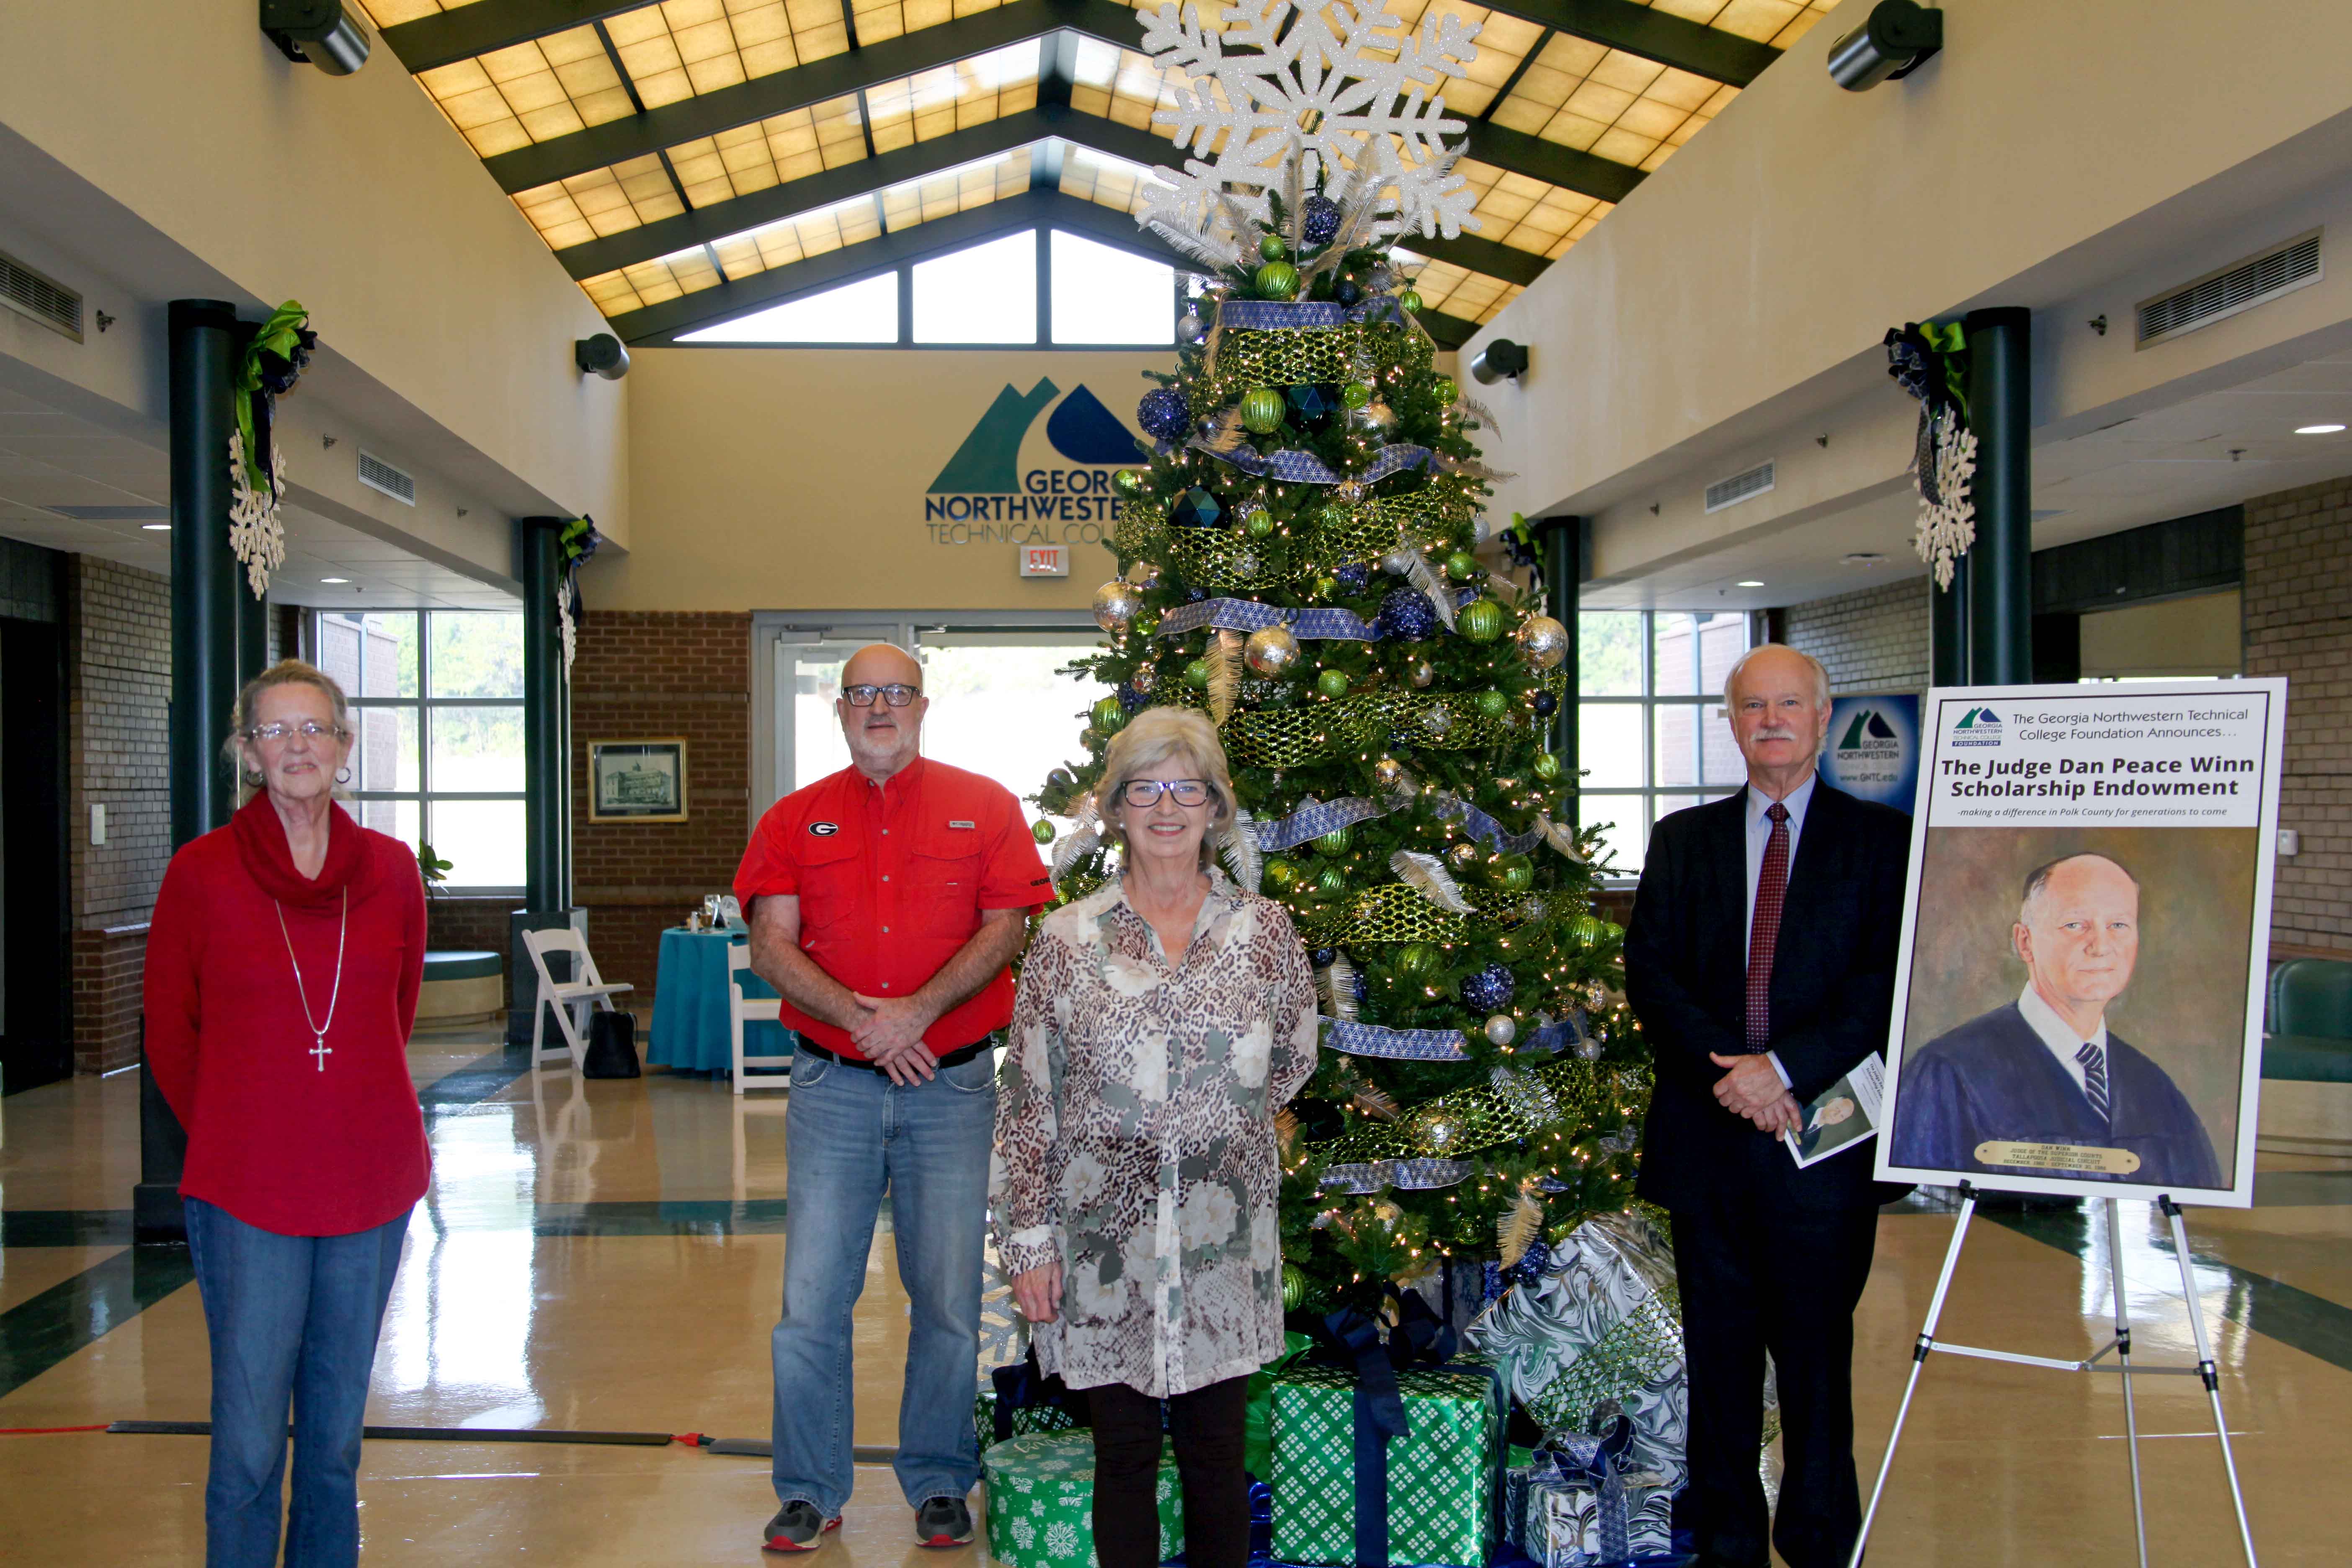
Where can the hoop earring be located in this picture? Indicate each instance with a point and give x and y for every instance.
(343, 776)
(253, 780)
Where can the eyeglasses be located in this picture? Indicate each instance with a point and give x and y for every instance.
(308, 729)
(1144, 794)
(897, 694)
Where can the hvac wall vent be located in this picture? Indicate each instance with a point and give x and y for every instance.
(1740, 487)
(2241, 286)
(46, 300)
(385, 479)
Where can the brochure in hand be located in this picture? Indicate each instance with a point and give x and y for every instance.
(1846, 1115)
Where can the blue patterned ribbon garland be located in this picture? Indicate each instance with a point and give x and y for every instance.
(1435, 1045)
(1327, 623)
(1314, 819)
(1412, 1175)
(1293, 466)
(1487, 830)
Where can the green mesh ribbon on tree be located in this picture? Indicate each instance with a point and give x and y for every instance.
(1472, 1120)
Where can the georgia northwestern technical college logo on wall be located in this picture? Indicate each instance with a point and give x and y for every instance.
(1010, 484)
(1977, 726)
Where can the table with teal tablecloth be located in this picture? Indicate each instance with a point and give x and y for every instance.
(691, 1006)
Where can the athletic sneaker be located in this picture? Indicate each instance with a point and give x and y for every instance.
(943, 1521)
(798, 1528)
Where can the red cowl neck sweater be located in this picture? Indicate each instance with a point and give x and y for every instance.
(275, 1138)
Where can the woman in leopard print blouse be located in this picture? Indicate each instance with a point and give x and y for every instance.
(1161, 1022)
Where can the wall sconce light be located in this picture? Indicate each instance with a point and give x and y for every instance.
(600, 355)
(1896, 39)
(316, 32)
(1498, 359)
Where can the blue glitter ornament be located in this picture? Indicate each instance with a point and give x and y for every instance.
(1165, 414)
(1322, 215)
(1197, 509)
(1490, 990)
(1347, 292)
(1194, 596)
(1546, 705)
(1130, 698)
(1407, 613)
(1322, 956)
(1353, 578)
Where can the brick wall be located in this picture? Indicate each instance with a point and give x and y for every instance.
(642, 676)
(1874, 639)
(118, 683)
(2297, 601)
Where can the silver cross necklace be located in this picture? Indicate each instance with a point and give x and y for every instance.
(321, 1051)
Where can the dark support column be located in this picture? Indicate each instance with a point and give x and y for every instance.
(252, 632)
(547, 823)
(1566, 564)
(1947, 629)
(2000, 565)
(204, 584)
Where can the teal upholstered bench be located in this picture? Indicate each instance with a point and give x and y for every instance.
(2307, 1021)
(2307, 1059)
(459, 985)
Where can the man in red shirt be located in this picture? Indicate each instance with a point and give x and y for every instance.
(885, 902)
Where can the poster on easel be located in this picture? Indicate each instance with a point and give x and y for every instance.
(2079, 990)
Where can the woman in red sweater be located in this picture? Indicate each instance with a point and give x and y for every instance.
(283, 969)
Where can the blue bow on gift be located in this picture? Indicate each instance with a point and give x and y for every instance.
(1596, 1462)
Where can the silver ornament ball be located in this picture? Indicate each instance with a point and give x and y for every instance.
(1144, 680)
(1543, 641)
(1424, 674)
(1463, 855)
(1189, 328)
(1438, 721)
(1502, 1030)
(1115, 603)
(1587, 1049)
(1271, 650)
(1388, 772)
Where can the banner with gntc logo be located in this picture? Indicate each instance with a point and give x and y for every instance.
(1873, 747)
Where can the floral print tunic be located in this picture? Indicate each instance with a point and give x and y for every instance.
(1135, 1140)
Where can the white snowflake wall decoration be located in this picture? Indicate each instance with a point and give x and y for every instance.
(1318, 98)
(1947, 513)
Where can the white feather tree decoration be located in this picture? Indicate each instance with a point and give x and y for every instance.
(1427, 875)
(1083, 841)
(1423, 576)
(1561, 837)
(1237, 847)
(1225, 674)
(1335, 983)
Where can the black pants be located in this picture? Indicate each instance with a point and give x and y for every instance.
(1207, 1427)
(1757, 1277)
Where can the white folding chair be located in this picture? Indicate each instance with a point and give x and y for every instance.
(742, 1010)
(569, 999)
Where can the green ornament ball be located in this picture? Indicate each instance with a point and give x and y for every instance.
(1546, 766)
(1279, 874)
(1327, 587)
(1043, 832)
(1355, 394)
(1414, 961)
(1196, 674)
(1262, 410)
(1445, 391)
(1270, 247)
(1493, 704)
(1462, 566)
(1109, 716)
(1512, 873)
(1294, 1286)
(1259, 524)
(1333, 683)
(1339, 841)
(1410, 301)
(1128, 482)
(1277, 281)
(1331, 882)
(1481, 620)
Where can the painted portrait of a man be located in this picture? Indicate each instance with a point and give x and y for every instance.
(2045, 1069)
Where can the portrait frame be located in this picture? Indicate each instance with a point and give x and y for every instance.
(1977, 827)
(638, 780)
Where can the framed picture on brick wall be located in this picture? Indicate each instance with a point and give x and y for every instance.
(636, 781)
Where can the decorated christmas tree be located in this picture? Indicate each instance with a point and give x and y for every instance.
(1299, 557)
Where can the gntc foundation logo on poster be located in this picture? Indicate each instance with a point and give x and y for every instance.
(1010, 483)
(1977, 726)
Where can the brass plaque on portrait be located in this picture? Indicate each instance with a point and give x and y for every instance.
(2081, 1157)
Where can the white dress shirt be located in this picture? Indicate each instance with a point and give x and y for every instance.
(1760, 837)
(2060, 1037)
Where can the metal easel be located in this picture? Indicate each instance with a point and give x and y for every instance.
(2096, 1362)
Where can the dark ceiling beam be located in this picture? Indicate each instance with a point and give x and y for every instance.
(1654, 35)
(1554, 164)
(839, 76)
(655, 325)
(477, 29)
(1446, 331)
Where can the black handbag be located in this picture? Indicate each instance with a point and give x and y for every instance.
(611, 1045)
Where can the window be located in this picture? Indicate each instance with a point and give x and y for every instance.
(1103, 295)
(866, 312)
(437, 757)
(1650, 730)
(986, 294)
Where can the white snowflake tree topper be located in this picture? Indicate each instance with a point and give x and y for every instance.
(1317, 97)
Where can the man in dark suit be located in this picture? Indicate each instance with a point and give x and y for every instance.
(1761, 961)
(2044, 1069)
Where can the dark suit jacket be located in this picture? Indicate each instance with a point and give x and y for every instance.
(1833, 988)
(1994, 1078)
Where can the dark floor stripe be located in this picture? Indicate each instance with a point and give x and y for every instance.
(2313, 1324)
(713, 1217)
(64, 1227)
(37, 1334)
(475, 1083)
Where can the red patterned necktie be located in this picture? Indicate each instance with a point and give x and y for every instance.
(1764, 930)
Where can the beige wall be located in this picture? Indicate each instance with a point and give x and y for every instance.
(1751, 276)
(2196, 636)
(795, 479)
(352, 194)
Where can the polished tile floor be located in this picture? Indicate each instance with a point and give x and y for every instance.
(605, 1257)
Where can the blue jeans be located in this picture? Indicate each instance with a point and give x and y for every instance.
(848, 1134)
(292, 1318)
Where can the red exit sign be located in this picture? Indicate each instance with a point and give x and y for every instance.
(1045, 561)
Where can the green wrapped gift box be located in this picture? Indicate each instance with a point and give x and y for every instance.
(1026, 1418)
(1041, 1501)
(1441, 1475)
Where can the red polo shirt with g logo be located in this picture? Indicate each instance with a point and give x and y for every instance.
(892, 880)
